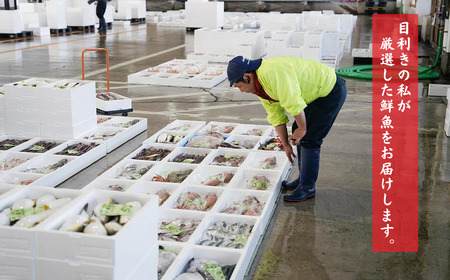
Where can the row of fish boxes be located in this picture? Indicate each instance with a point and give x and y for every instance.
(45, 252)
(48, 108)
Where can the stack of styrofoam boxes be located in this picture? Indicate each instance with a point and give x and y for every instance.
(21, 107)
(11, 22)
(67, 112)
(312, 47)
(347, 24)
(275, 21)
(34, 18)
(219, 45)
(276, 45)
(172, 19)
(183, 73)
(362, 52)
(201, 13)
(80, 13)
(18, 250)
(152, 17)
(130, 9)
(56, 14)
(447, 115)
(131, 254)
(2, 112)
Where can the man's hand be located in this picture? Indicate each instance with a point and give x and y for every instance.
(289, 153)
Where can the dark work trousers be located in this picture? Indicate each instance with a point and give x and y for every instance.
(101, 8)
(320, 115)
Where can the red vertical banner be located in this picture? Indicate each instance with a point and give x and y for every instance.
(395, 133)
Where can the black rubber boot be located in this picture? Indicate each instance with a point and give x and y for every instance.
(294, 184)
(308, 175)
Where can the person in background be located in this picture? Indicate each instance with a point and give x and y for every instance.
(100, 11)
(311, 92)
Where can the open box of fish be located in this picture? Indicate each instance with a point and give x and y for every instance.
(240, 142)
(12, 143)
(223, 128)
(225, 231)
(55, 169)
(251, 129)
(127, 169)
(270, 144)
(151, 152)
(188, 155)
(40, 145)
(226, 157)
(23, 209)
(101, 119)
(274, 134)
(162, 190)
(170, 172)
(168, 252)
(19, 179)
(212, 176)
(133, 125)
(178, 226)
(113, 137)
(174, 138)
(195, 198)
(184, 125)
(259, 180)
(207, 140)
(28, 88)
(109, 185)
(99, 228)
(10, 160)
(214, 263)
(268, 161)
(110, 101)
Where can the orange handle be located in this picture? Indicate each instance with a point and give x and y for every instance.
(107, 64)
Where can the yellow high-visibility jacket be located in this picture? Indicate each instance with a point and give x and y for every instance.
(294, 82)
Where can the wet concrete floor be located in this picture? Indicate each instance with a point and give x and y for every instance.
(328, 237)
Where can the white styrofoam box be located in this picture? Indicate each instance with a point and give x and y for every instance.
(222, 256)
(66, 130)
(166, 149)
(121, 103)
(130, 123)
(29, 19)
(276, 21)
(154, 188)
(26, 7)
(176, 135)
(19, 158)
(17, 268)
(112, 136)
(22, 123)
(56, 14)
(185, 125)
(242, 141)
(19, 179)
(251, 129)
(313, 39)
(176, 203)
(55, 177)
(129, 170)
(33, 144)
(201, 152)
(224, 128)
(295, 38)
(60, 269)
(138, 8)
(20, 242)
(200, 175)
(30, 88)
(438, 89)
(175, 248)
(109, 184)
(242, 154)
(230, 197)
(10, 147)
(124, 13)
(39, 31)
(164, 168)
(361, 53)
(139, 233)
(168, 215)
(256, 159)
(10, 22)
(207, 14)
(280, 35)
(314, 53)
(253, 237)
(81, 16)
(245, 175)
(330, 44)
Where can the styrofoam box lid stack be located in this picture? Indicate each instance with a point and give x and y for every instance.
(114, 252)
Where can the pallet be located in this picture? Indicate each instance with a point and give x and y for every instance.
(109, 25)
(61, 31)
(88, 28)
(137, 20)
(22, 34)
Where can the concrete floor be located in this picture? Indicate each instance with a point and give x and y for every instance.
(328, 237)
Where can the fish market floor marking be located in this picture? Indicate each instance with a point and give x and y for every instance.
(130, 62)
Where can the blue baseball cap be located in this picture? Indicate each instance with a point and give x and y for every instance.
(239, 65)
